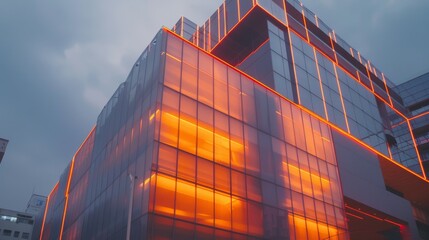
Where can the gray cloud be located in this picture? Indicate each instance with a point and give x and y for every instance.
(60, 62)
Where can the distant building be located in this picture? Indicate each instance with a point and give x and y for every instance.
(15, 225)
(36, 206)
(3, 145)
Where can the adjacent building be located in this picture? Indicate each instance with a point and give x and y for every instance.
(3, 145)
(260, 124)
(15, 225)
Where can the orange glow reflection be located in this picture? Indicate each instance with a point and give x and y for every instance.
(306, 228)
(213, 207)
(206, 139)
(311, 183)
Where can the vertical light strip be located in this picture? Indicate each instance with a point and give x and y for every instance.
(333, 46)
(305, 25)
(238, 10)
(360, 58)
(183, 27)
(209, 36)
(66, 198)
(284, 10)
(294, 67)
(69, 181)
(46, 210)
(218, 25)
(224, 18)
(204, 37)
(198, 36)
(415, 148)
(341, 97)
(44, 217)
(369, 77)
(321, 85)
(390, 151)
(334, 35)
(387, 89)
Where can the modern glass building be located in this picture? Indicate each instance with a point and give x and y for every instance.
(260, 124)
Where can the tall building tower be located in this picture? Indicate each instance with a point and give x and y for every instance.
(260, 124)
(3, 145)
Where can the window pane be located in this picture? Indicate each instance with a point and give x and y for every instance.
(255, 219)
(186, 166)
(164, 199)
(167, 159)
(189, 81)
(204, 214)
(222, 178)
(205, 172)
(222, 210)
(185, 200)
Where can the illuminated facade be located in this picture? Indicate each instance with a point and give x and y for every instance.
(259, 124)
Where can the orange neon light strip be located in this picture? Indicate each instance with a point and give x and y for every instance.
(333, 46)
(254, 51)
(374, 217)
(360, 142)
(238, 10)
(224, 19)
(321, 85)
(387, 89)
(418, 116)
(369, 77)
(355, 216)
(285, 13)
(46, 210)
(342, 99)
(305, 25)
(44, 217)
(69, 182)
(364, 213)
(218, 25)
(173, 57)
(294, 67)
(415, 148)
(66, 198)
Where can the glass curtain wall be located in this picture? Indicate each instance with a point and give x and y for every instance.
(235, 159)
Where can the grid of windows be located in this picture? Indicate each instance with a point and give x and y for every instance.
(281, 65)
(238, 161)
(217, 155)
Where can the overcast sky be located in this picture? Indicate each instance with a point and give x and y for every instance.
(60, 61)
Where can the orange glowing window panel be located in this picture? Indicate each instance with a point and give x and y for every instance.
(188, 127)
(305, 228)
(310, 183)
(212, 207)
